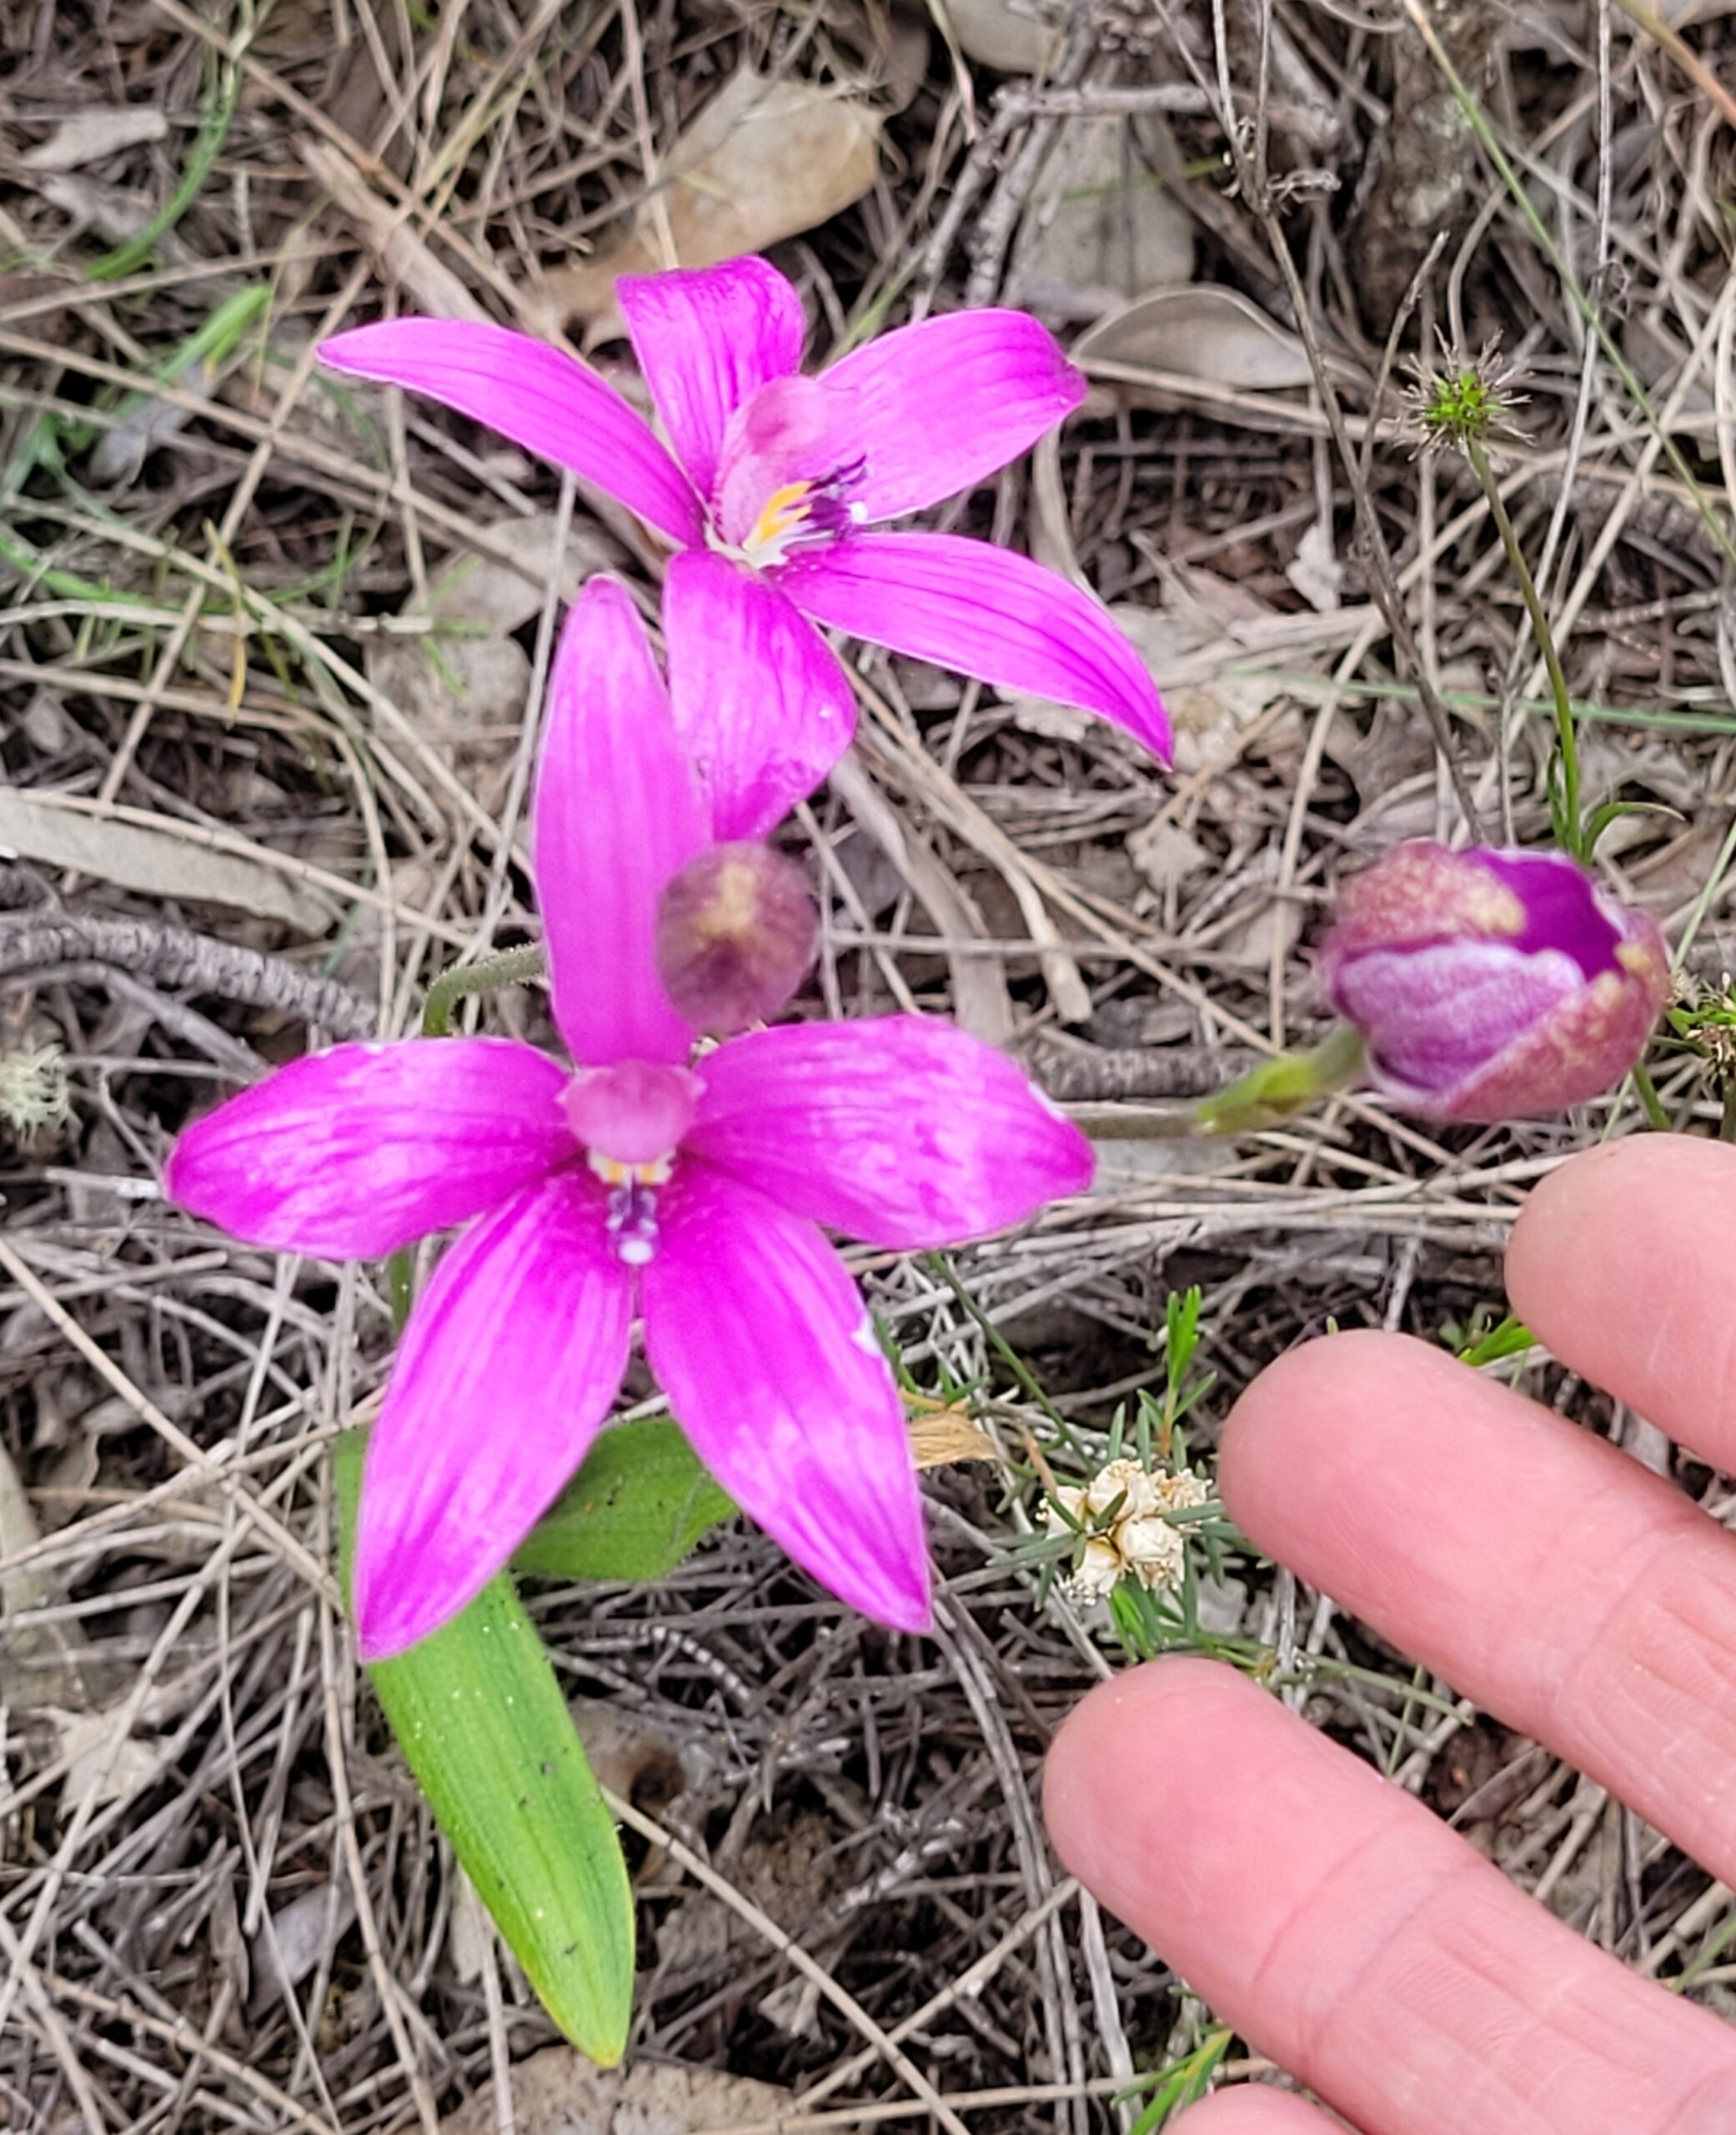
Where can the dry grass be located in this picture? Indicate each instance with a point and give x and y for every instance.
(256, 820)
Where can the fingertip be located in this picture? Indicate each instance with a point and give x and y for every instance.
(1285, 1433)
(1617, 1265)
(1578, 1222)
(1129, 1741)
(1253, 2109)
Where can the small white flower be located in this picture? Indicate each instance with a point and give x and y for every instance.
(1136, 1539)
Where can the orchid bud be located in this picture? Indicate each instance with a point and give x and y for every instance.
(735, 933)
(1491, 984)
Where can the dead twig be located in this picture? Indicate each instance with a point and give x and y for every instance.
(35, 940)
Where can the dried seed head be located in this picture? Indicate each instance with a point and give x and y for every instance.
(33, 1089)
(735, 934)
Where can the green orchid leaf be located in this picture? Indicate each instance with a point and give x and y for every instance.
(484, 1726)
(632, 1512)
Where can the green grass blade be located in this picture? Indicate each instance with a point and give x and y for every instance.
(482, 1723)
(213, 132)
(633, 1511)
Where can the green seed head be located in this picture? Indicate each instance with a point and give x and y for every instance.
(1461, 400)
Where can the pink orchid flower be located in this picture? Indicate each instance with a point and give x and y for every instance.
(778, 481)
(686, 1190)
(1492, 984)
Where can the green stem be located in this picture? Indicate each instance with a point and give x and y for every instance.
(400, 1291)
(1572, 831)
(1289, 1083)
(213, 132)
(463, 980)
(1649, 1098)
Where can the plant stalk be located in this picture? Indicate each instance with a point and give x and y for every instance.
(463, 980)
(1572, 828)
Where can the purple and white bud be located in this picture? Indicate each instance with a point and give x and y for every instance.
(1491, 984)
(735, 934)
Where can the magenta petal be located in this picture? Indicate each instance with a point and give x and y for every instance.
(935, 407)
(760, 701)
(1435, 1017)
(511, 1361)
(354, 1152)
(539, 397)
(768, 1357)
(616, 815)
(1001, 617)
(705, 338)
(901, 1131)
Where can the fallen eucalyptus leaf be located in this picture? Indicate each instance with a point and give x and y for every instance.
(763, 160)
(1101, 228)
(1013, 37)
(56, 831)
(88, 136)
(1202, 331)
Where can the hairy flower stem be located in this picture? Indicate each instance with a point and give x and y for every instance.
(463, 980)
(1571, 829)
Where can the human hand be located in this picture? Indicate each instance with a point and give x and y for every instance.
(1329, 1917)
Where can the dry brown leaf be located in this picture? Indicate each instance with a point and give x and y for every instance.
(1165, 853)
(1315, 570)
(1659, 355)
(1200, 331)
(54, 831)
(88, 136)
(1100, 228)
(1013, 37)
(1207, 709)
(284, 1953)
(148, 421)
(402, 252)
(103, 1765)
(45, 1667)
(18, 1531)
(560, 2092)
(946, 1435)
(763, 160)
(630, 1755)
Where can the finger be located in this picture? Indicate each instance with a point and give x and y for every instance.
(1620, 1263)
(1345, 1931)
(1251, 2111)
(1546, 1576)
